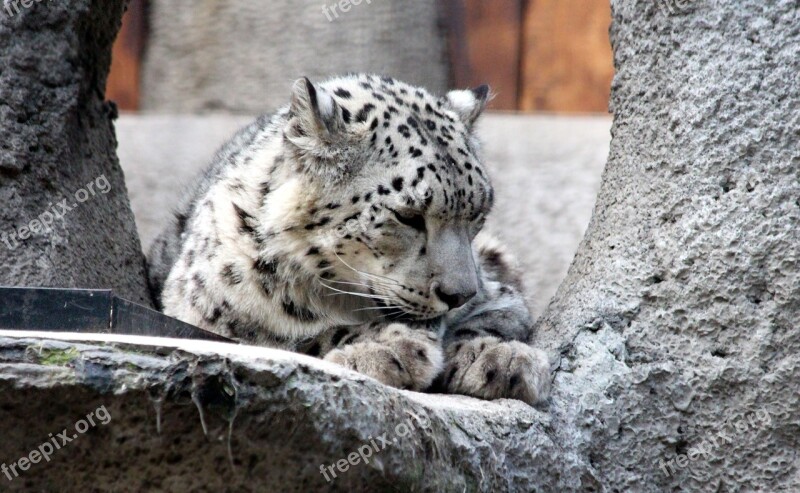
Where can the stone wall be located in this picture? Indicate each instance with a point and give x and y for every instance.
(241, 56)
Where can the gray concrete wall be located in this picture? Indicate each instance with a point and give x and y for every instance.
(241, 56)
(546, 171)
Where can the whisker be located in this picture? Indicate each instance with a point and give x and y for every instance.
(343, 293)
(378, 286)
(362, 295)
(355, 283)
(377, 308)
(366, 273)
(398, 315)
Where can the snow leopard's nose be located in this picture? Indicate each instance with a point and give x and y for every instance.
(454, 276)
(454, 300)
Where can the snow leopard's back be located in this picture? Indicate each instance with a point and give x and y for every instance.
(167, 245)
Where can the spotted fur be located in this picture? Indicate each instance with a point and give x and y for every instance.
(345, 226)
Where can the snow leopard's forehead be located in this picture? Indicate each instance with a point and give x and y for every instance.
(419, 147)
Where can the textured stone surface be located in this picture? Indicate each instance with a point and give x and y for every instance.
(271, 419)
(56, 137)
(546, 171)
(678, 321)
(241, 56)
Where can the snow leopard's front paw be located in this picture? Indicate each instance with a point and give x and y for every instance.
(489, 368)
(397, 356)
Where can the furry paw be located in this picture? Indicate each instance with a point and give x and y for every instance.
(489, 368)
(397, 356)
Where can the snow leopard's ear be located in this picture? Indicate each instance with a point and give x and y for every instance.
(469, 103)
(316, 119)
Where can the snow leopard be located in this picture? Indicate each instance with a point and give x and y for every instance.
(347, 226)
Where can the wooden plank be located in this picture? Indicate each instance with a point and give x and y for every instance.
(485, 40)
(124, 79)
(567, 64)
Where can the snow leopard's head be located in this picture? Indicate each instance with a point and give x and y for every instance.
(393, 191)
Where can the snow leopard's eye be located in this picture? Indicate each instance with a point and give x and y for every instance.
(416, 221)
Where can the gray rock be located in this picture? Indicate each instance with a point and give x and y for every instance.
(57, 150)
(677, 325)
(208, 417)
(241, 56)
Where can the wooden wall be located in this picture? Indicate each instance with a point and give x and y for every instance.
(566, 61)
(126, 58)
(538, 55)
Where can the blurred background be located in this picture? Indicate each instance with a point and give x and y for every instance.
(188, 73)
(206, 55)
